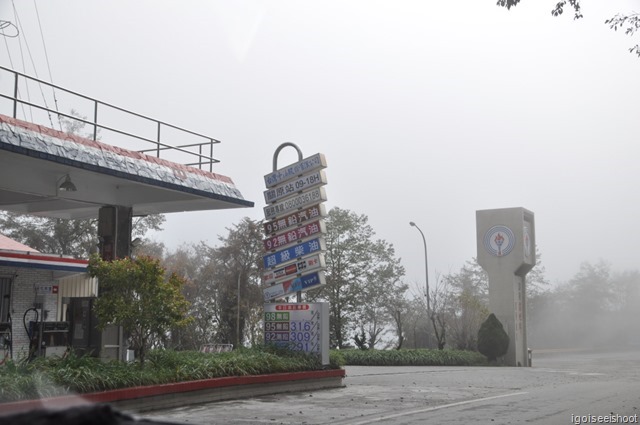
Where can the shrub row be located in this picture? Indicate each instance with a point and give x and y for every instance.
(72, 374)
(418, 357)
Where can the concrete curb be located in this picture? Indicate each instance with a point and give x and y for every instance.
(153, 397)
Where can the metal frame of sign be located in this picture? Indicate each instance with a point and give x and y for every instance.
(294, 219)
(304, 182)
(290, 193)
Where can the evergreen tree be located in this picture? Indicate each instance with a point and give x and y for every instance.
(493, 341)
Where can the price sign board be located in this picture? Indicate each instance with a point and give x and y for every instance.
(294, 219)
(301, 183)
(294, 170)
(301, 327)
(304, 265)
(293, 285)
(293, 253)
(294, 235)
(312, 196)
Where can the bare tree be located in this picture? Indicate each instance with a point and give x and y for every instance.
(398, 310)
(440, 310)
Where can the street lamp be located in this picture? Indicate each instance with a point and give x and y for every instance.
(426, 267)
(238, 313)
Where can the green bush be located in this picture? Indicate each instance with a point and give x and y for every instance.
(418, 357)
(493, 341)
(73, 374)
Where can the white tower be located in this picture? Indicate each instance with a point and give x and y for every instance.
(506, 251)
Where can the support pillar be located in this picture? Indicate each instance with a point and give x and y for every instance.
(114, 232)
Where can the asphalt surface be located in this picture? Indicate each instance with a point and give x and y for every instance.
(561, 388)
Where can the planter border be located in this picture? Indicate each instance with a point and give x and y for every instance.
(159, 395)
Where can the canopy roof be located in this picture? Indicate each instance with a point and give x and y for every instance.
(35, 161)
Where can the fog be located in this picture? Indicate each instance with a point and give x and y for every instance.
(426, 112)
(597, 308)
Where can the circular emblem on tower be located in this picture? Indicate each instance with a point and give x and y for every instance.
(499, 241)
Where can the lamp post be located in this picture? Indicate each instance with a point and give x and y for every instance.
(426, 267)
(238, 313)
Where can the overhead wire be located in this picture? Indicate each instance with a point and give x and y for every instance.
(44, 99)
(8, 24)
(46, 56)
(15, 16)
(3, 25)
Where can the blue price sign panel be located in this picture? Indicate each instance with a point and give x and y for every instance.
(300, 327)
(293, 253)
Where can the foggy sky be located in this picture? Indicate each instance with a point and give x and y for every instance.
(426, 111)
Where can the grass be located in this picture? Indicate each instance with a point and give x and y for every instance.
(76, 375)
(72, 374)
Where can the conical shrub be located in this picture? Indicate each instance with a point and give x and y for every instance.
(493, 341)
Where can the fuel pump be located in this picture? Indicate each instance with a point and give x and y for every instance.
(6, 339)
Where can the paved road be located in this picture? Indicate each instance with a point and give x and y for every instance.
(560, 384)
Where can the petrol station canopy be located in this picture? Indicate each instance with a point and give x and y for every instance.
(38, 163)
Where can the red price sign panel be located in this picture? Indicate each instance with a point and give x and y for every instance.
(294, 235)
(294, 219)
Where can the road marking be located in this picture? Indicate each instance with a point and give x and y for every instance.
(431, 409)
(568, 372)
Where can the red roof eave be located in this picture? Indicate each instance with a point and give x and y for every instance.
(42, 261)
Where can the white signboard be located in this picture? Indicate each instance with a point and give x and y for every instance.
(292, 187)
(301, 327)
(291, 286)
(303, 266)
(296, 169)
(299, 201)
(46, 289)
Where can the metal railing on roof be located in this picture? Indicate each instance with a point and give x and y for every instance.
(197, 151)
